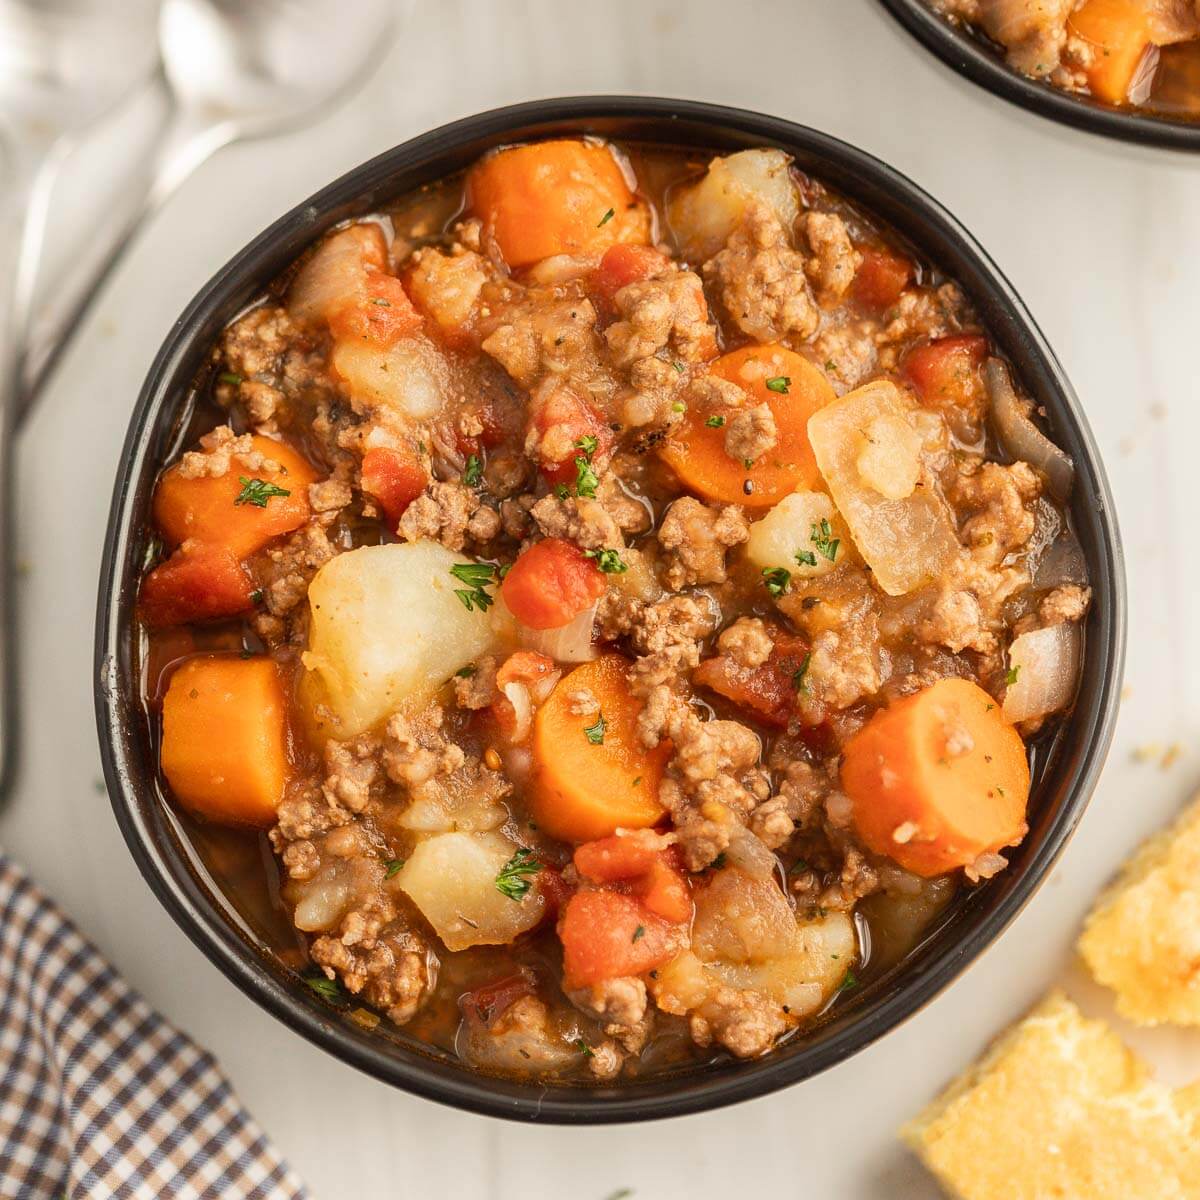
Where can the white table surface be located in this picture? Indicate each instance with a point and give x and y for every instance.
(1102, 240)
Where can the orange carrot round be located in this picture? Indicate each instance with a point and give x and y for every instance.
(591, 773)
(793, 389)
(937, 778)
(558, 197)
(224, 744)
(1118, 31)
(240, 510)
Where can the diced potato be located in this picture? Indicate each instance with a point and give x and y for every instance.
(1044, 669)
(702, 215)
(411, 377)
(451, 878)
(458, 805)
(906, 541)
(787, 531)
(386, 629)
(890, 461)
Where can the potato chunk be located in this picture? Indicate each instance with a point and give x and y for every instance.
(386, 629)
(907, 540)
(702, 215)
(409, 378)
(451, 878)
(791, 536)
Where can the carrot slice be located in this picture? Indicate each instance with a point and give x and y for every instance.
(207, 508)
(937, 778)
(558, 197)
(793, 389)
(591, 779)
(1119, 33)
(224, 745)
(607, 934)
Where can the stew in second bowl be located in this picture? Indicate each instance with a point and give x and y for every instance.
(623, 589)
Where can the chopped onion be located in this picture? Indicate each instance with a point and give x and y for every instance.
(1020, 436)
(751, 855)
(518, 696)
(1062, 563)
(1046, 665)
(570, 643)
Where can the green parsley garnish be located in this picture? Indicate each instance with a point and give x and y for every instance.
(822, 537)
(393, 866)
(1011, 674)
(595, 733)
(799, 680)
(258, 492)
(679, 368)
(587, 444)
(584, 1048)
(477, 577)
(678, 406)
(328, 988)
(466, 672)
(777, 580)
(473, 475)
(229, 377)
(586, 480)
(849, 980)
(609, 561)
(621, 1193)
(780, 384)
(608, 216)
(561, 491)
(256, 596)
(806, 558)
(514, 879)
(639, 932)
(715, 422)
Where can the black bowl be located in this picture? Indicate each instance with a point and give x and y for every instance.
(980, 62)
(1065, 772)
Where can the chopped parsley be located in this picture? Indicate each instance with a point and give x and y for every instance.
(256, 596)
(587, 444)
(678, 406)
(325, 987)
(231, 377)
(258, 492)
(609, 561)
(1011, 674)
(639, 932)
(822, 537)
(777, 580)
(515, 878)
(715, 422)
(780, 384)
(561, 491)
(586, 480)
(806, 558)
(849, 980)
(393, 866)
(799, 679)
(679, 368)
(608, 216)
(595, 733)
(473, 475)
(799, 865)
(584, 1048)
(477, 577)
(466, 672)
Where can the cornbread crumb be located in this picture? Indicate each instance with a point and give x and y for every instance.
(1142, 938)
(1061, 1109)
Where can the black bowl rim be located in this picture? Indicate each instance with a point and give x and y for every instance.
(926, 973)
(971, 59)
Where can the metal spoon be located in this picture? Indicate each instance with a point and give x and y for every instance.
(64, 64)
(233, 69)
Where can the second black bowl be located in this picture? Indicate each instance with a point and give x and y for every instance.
(1064, 777)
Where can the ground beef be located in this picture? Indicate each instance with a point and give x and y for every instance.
(450, 513)
(666, 636)
(416, 752)
(834, 261)
(389, 970)
(653, 394)
(668, 314)
(256, 345)
(1002, 499)
(351, 769)
(581, 520)
(695, 538)
(955, 620)
(762, 282)
(746, 1022)
(747, 641)
(621, 1005)
(1067, 603)
(223, 448)
(289, 568)
(751, 433)
(536, 338)
(478, 689)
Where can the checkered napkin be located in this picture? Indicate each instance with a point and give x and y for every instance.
(100, 1098)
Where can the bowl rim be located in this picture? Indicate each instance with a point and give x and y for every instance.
(142, 817)
(971, 59)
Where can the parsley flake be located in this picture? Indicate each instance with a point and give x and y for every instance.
(849, 980)
(586, 480)
(1011, 674)
(230, 377)
(777, 580)
(679, 368)
(325, 987)
(587, 444)
(466, 672)
(609, 561)
(514, 880)
(799, 679)
(822, 537)
(258, 492)
(561, 491)
(473, 475)
(393, 866)
(477, 577)
(639, 932)
(595, 733)
(806, 558)
(715, 422)
(780, 384)
(584, 1048)
(608, 216)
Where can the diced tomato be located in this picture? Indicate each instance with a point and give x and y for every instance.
(537, 674)
(197, 583)
(393, 477)
(525, 666)
(483, 1006)
(654, 875)
(551, 583)
(571, 419)
(946, 372)
(881, 277)
(623, 264)
(386, 316)
(606, 934)
(769, 691)
(554, 888)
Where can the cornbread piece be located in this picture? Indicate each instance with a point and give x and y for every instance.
(1060, 1109)
(1142, 939)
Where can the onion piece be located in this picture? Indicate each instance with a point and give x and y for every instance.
(517, 695)
(1021, 438)
(1046, 664)
(1061, 563)
(570, 643)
